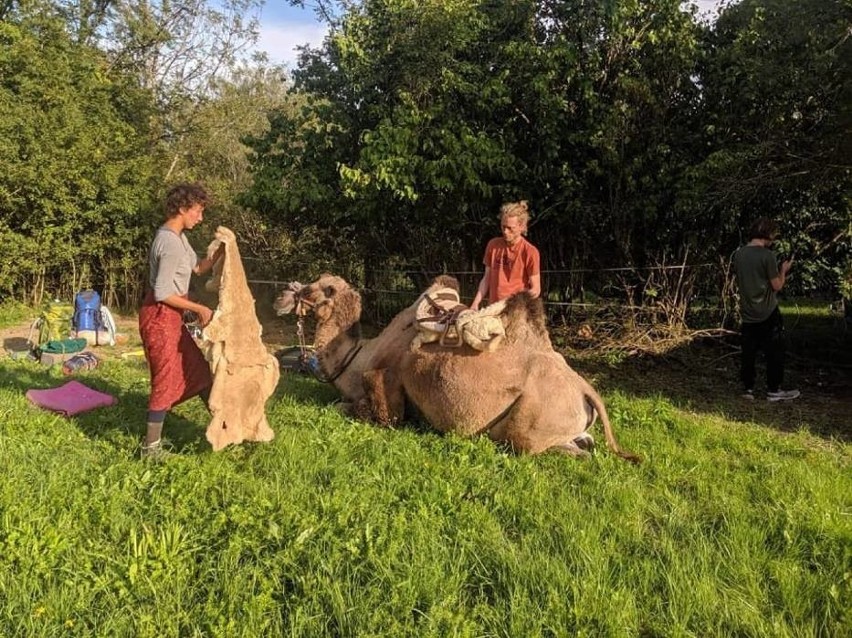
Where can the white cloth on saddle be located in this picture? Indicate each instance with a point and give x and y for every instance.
(440, 316)
(483, 329)
(245, 374)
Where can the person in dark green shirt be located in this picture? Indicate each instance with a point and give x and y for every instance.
(759, 279)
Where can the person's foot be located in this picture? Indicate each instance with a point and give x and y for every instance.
(748, 395)
(154, 452)
(782, 395)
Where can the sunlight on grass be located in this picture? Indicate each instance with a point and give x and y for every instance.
(339, 528)
(14, 313)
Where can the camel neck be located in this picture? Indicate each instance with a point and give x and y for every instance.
(333, 335)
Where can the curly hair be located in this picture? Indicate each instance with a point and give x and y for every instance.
(763, 228)
(516, 209)
(184, 195)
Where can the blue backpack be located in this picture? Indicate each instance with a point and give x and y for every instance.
(87, 311)
(93, 320)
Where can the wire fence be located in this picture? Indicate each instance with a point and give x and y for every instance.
(599, 308)
(694, 294)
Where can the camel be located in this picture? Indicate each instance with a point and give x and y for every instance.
(523, 393)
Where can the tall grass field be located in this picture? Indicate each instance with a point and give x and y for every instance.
(338, 528)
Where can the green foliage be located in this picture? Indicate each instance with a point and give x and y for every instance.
(433, 115)
(72, 171)
(338, 528)
(845, 281)
(640, 136)
(776, 115)
(13, 313)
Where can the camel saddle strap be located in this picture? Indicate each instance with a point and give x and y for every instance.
(442, 317)
(438, 314)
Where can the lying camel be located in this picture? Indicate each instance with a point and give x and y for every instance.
(523, 393)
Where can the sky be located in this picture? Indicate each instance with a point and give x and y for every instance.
(282, 28)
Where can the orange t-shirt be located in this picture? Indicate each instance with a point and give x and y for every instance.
(511, 267)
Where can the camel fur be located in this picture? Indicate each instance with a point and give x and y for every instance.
(245, 374)
(522, 393)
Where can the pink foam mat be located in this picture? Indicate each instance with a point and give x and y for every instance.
(71, 398)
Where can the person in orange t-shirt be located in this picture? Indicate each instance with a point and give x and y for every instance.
(512, 264)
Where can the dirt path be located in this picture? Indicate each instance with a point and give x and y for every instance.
(276, 334)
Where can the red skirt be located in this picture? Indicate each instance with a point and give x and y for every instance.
(178, 369)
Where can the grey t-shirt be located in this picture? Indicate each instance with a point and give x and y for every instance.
(754, 267)
(171, 260)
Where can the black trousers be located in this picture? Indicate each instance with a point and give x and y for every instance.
(767, 336)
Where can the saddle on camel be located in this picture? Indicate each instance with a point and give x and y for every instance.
(441, 317)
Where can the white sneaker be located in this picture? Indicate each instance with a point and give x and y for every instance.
(748, 394)
(782, 395)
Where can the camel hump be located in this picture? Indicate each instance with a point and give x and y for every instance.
(522, 308)
(445, 281)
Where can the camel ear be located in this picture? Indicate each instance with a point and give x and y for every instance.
(329, 291)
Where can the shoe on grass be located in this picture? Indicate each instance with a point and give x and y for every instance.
(154, 452)
(782, 395)
(748, 395)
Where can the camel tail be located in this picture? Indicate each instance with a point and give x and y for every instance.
(596, 401)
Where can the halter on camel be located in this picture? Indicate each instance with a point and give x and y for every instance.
(303, 307)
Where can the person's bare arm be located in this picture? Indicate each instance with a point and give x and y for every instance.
(482, 290)
(204, 265)
(778, 282)
(535, 286)
(182, 303)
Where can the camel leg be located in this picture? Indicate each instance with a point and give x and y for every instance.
(571, 449)
(585, 442)
(384, 401)
(346, 408)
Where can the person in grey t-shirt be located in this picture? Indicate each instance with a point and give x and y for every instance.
(759, 279)
(178, 369)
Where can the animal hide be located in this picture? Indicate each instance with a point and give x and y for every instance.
(245, 374)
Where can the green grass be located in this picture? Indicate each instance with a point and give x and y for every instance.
(337, 528)
(15, 312)
(739, 522)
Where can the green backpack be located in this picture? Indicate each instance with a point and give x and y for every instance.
(54, 322)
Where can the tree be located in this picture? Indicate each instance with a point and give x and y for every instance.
(777, 105)
(424, 116)
(73, 171)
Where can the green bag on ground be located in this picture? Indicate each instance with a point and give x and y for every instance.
(54, 323)
(63, 346)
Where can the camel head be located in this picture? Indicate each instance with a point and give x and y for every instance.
(335, 305)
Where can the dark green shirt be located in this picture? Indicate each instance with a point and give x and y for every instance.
(754, 267)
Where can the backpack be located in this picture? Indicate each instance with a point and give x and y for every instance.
(87, 310)
(54, 322)
(92, 320)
